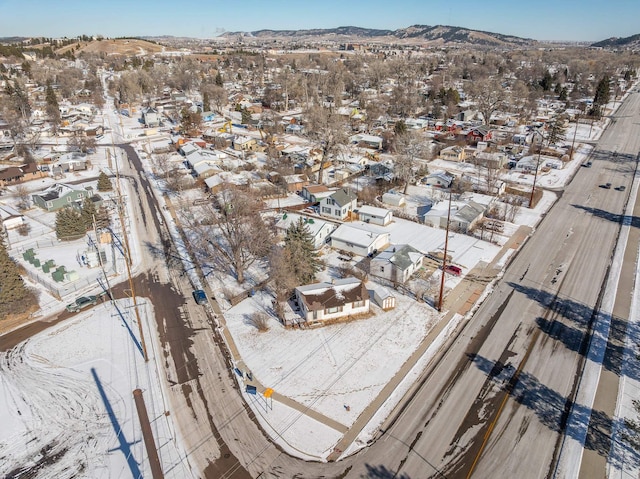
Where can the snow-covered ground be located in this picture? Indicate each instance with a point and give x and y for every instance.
(66, 400)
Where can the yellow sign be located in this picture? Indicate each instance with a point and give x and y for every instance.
(268, 392)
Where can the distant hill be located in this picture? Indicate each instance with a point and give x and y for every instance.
(438, 34)
(614, 42)
(122, 46)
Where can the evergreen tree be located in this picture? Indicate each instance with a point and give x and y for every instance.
(602, 96)
(52, 108)
(69, 224)
(557, 131)
(88, 213)
(15, 297)
(104, 183)
(246, 116)
(546, 82)
(300, 253)
(218, 80)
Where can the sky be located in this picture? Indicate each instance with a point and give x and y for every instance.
(562, 20)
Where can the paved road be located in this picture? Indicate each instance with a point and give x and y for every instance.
(494, 405)
(497, 403)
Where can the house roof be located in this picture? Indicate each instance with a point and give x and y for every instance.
(356, 236)
(319, 296)
(401, 256)
(373, 211)
(314, 225)
(11, 172)
(343, 196)
(313, 189)
(56, 191)
(469, 212)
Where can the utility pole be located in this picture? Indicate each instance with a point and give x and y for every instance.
(128, 264)
(573, 143)
(535, 174)
(444, 259)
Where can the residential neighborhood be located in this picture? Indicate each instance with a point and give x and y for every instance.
(307, 234)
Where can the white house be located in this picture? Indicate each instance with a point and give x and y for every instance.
(329, 301)
(339, 205)
(376, 216)
(367, 141)
(320, 230)
(150, 117)
(363, 242)
(396, 263)
(439, 178)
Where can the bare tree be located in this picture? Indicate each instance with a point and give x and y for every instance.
(328, 130)
(24, 198)
(410, 147)
(238, 235)
(489, 97)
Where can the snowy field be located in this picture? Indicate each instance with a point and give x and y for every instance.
(66, 401)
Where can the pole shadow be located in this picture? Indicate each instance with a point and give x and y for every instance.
(124, 445)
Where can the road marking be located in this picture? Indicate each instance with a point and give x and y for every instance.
(507, 395)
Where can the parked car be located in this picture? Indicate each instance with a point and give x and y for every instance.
(454, 270)
(200, 296)
(621, 188)
(81, 303)
(606, 186)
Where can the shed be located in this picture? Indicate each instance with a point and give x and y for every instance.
(393, 199)
(382, 296)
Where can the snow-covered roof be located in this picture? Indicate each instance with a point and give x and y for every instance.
(373, 211)
(357, 236)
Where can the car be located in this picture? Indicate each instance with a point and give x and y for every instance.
(81, 303)
(200, 296)
(621, 188)
(587, 164)
(606, 186)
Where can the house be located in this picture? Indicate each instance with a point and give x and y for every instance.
(528, 164)
(441, 179)
(453, 153)
(295, 182)
(58, 196)
(464, 215)
(396, 264)
(376, 216)
(245, 143)
(367, 141)
(315, 193)
(10, 175)
(318, 229)
(17, 174)
(381, 171)
(339, 205)
(150, 117)
(479, 133)
(331, 301)
(363, 242)
(496, 160)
